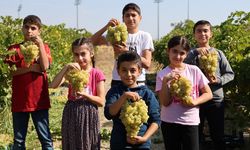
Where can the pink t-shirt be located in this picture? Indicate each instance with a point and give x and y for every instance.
(176, 112)
(95, 77)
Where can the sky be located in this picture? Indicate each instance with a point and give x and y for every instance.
(94, 14)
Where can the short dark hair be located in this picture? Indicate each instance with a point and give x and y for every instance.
(179, 40)
(129, 56)
(33, 19)
(202, 22)
(132, 6)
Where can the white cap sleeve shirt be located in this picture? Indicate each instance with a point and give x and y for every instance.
(136, 42)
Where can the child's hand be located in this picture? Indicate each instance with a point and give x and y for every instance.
(133, 96)
(136, 140)
(73, 66)
(171, 76)
(37, 40)
(212, 79)
(203, 50)
(119, 48)
(113, 22)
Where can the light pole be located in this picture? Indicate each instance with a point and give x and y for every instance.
(187, 9)
(77, 3)
(158, 17)
(19, 8)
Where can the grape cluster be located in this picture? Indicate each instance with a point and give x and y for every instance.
(78, 79)
(29, 51)
(181, 88)
(208, 63)
(133, 115)
(117, 34)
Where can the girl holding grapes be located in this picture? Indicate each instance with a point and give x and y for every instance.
(80, 121)
(180, 119)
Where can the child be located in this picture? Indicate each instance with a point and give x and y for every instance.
(129, 69)
(80, 120)
(138, 41)
(179, 120)
(30, 87)
(213, 110)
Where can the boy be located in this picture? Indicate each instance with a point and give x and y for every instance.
(213, 110)
(139, 41)
(30, 87)
(129, 69)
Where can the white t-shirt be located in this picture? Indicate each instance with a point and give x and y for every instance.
(177, 112)
(136, 42)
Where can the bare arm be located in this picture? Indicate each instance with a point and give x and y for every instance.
(98, 35)
(205, 96)
(32, 68)
(43, 58)
(146, 58)
(164, 95)
(59, 78)
(139, 140)
(99, 99)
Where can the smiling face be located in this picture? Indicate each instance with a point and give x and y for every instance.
(177, 54)
(203, 34)
(30, 30)
(132, 20)
(82, 56)
(129, 71)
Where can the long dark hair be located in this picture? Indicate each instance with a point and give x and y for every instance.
(85, 41)
(179, 40)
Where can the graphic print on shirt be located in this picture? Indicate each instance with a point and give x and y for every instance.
(132, 46)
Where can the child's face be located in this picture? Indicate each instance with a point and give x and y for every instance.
(30, 30)
(177, 55)
(82, 56)
(132, 19)
(129, 72)
(202, 34)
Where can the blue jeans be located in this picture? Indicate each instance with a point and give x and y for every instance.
(40, 119)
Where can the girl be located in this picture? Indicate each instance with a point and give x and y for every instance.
(129, 69)
(180, 121)
(80, 121)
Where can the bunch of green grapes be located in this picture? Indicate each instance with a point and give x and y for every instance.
(78, 79)
(133, 115)
(30, 52)
(117, 34)
(208, 63)
(181, 88)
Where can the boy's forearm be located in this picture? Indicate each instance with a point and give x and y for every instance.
(151, 130)
(43, 58)
(116, 106)
(97, 36)
(20, 71)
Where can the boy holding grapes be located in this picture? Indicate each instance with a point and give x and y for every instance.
(129, 68)
(213, 110)
(137, 41)
(30, 94)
